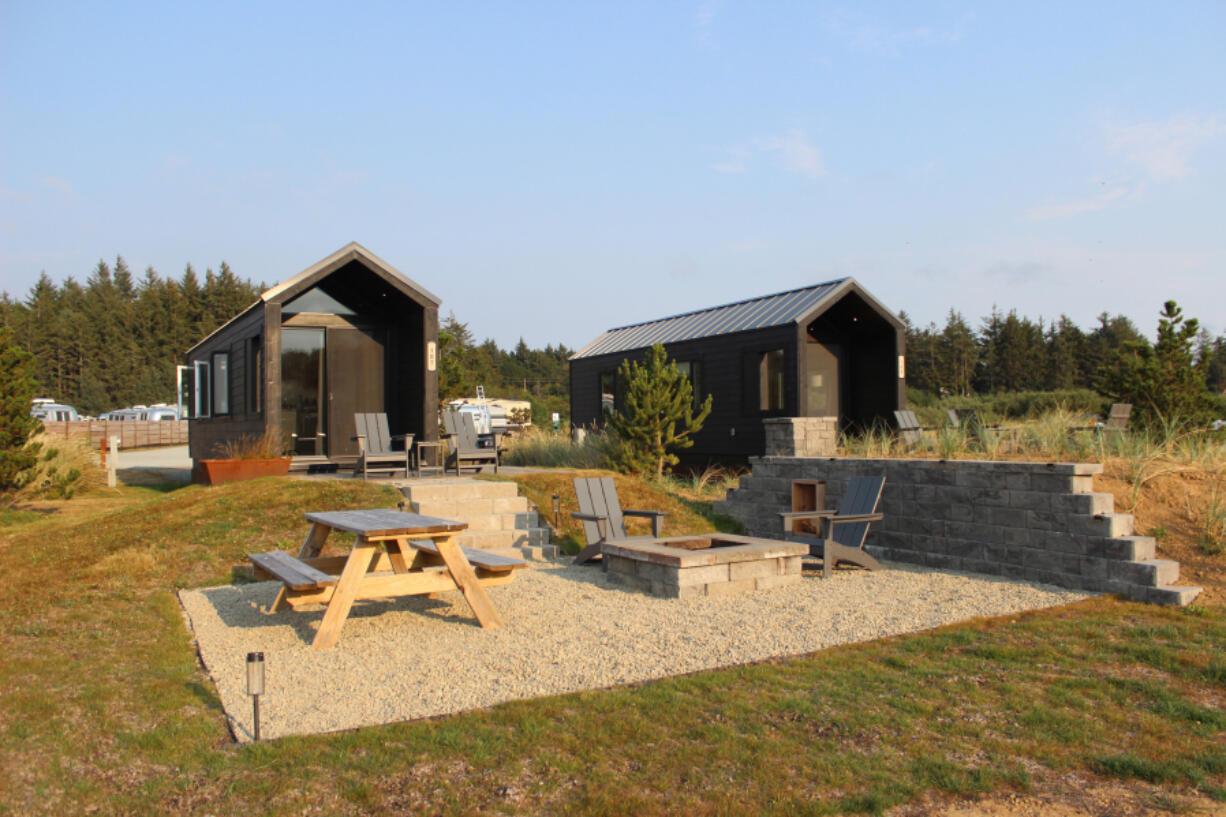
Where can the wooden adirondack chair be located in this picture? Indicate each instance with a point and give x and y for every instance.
(1117, 420)
(375, 451)
(603, 518)
(909, 428)
(466, 445)
(846, 528)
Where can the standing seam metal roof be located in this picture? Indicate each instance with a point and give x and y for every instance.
(757, 313)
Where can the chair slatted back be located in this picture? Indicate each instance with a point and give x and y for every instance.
(598, 496)
(466, 433)
(908, 426)
(373, 426)
(449, 423)
(1117, 420)
(861, 496)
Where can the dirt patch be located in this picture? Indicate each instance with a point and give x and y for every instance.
(1171, 507)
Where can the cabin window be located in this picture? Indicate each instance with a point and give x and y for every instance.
(608, 393)
(221, 383)
(255, 375)
(692, 370)
(770, 381)
(202, 404)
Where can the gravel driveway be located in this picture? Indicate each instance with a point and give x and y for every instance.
(566, 630)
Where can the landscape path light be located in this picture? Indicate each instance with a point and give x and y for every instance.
(557, 509)
(255, 686)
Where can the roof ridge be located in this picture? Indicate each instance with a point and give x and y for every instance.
(730, 304)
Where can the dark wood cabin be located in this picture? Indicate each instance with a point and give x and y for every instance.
(830, 349)
(348, 334)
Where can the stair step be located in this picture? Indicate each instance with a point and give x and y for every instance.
(455, 489)
(1128, 548)
(1149, 573)
(1117, 525)
(1170, 595)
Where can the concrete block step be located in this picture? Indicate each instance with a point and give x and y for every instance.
(453, 489)
(1110, 525)
(1128, 548)
(468, 508)
(1149, 573)
(1170, 595)
(494, 539)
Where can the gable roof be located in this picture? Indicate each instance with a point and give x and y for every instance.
(767, 311)
(353, 251)
(292, 287)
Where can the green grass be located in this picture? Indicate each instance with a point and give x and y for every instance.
(104, 708)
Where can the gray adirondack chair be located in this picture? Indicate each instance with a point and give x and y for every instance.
(375, 449)
(909, 428)
(845, 528)
(1117, 420)
(603, 517)
(466, 445)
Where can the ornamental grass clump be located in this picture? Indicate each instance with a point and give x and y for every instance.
(266, 446)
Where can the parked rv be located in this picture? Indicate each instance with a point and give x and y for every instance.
(49, 411)
(158, 412)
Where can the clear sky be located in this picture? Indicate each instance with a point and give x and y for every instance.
(554, 170)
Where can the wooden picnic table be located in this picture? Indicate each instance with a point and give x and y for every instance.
(394, 553)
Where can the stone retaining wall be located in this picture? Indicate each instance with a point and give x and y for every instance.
(801, 436)
(1036, 521)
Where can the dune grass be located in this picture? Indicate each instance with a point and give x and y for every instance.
(104, 708)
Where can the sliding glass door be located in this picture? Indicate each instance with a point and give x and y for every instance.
(303, 401)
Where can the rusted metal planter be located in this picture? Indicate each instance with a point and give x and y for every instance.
(216, 472)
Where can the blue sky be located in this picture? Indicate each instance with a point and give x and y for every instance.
(554, 170)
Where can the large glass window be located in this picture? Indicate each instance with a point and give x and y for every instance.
(608, 393)
(302, 384)
(770, 381)
(202, 403)
(692, 370)
(221, 383)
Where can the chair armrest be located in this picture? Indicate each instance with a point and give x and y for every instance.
(361, 438)
(656, 517)
(858, 517)
(789, 517)
(602, 523)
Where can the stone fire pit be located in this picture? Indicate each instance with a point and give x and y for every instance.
(686, 566)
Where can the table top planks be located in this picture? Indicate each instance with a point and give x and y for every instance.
(384, 522)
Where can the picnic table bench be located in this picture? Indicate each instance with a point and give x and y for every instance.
(394, 554)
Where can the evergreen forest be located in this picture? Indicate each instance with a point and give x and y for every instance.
(115, 340)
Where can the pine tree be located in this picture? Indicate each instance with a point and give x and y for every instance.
(1164, 387)
(17, 387)
(958, 355)
(657, 414)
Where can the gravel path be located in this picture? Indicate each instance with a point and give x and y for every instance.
(566, 630)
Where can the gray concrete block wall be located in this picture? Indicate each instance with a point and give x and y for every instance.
(1034, 521)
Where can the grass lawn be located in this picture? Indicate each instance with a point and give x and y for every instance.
(104, 709)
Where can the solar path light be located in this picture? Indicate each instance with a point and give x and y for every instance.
(255, 685)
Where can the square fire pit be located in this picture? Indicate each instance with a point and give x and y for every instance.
(707, 565)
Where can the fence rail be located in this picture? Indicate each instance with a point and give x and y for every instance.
(131, 433)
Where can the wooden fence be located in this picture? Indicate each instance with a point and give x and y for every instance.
(131, 433)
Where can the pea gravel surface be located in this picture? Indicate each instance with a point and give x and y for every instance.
(565, 630)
